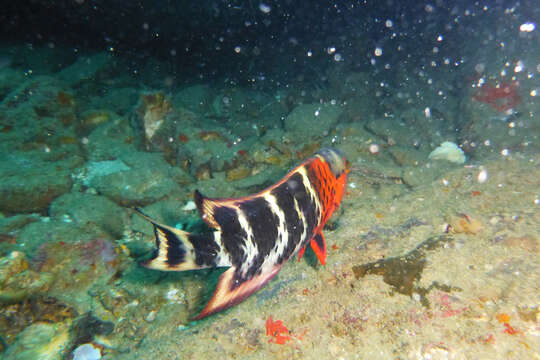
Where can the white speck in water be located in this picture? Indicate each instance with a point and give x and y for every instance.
(482, 176)
(519, 66)
(265, 8)
(527, 27)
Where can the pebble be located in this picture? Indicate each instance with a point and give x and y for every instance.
(151, 316)
(86, 352)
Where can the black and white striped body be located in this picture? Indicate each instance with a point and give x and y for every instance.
(257, 234)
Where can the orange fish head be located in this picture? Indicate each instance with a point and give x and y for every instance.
(337, 163)
(335, 159)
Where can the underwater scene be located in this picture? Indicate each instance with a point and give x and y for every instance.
(270, 179)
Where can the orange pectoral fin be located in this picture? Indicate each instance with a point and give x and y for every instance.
(301, 253)
(229, 292)
(318, 244)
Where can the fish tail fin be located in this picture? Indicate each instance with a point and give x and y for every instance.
(178, 250)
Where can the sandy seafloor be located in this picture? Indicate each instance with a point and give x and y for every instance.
(484, 281)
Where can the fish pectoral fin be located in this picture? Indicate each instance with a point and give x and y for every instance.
(301, 252)
(318, 244)
(231, 290)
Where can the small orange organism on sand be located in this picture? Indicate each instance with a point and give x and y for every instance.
(277, 331)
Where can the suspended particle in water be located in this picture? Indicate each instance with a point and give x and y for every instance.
(389, 23)
(265, 8)
(378, 51)
(237, 49)
(338, 57)
(519, 66)
(480, 67)
(374, 149)
(527, 27)
(482, 176)
(505, 152)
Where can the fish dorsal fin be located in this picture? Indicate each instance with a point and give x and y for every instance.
(231, 290)
(206, 208)
(318, 244)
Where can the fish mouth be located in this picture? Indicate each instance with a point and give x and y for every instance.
(335, 159)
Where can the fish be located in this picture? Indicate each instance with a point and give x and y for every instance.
(255, 235)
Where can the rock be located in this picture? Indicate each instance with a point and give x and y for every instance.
(207, 151)
(65, 231)
(38, 114)
(96, 169)
(448, 151)
(312, 120)
(9, 224)
(91, 119)
(9, 78)
(30, 181)
(86, 352)
(18, 282)
(110, 140)
(40, 341)
(87, 209)
(87, 68)
(149, 178)
(118, 100)
(196, 98)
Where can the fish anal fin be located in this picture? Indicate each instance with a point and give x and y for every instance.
(318, 244)
(228, 294)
